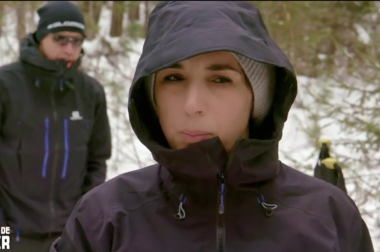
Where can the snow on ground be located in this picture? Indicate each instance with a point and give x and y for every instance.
(129, 154)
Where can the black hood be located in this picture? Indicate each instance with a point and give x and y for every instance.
(30, 54)
(179, 30)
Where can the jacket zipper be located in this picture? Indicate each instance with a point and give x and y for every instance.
(221, 228)
(55, 160)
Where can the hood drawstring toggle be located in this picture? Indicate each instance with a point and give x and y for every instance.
(269, 208)
(181, 212)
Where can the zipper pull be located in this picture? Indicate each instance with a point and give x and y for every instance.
(222, 193)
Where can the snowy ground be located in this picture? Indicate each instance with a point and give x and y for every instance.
(130, 154)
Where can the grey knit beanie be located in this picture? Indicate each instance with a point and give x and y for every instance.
(262, 78)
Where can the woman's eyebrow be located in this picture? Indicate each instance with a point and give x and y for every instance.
(212, 67)
(175, 66)
(222, 67)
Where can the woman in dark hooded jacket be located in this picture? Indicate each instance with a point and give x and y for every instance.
(209, 99)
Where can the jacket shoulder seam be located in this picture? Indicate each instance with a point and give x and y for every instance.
(144, 202)
(307, 212)
(106, 211)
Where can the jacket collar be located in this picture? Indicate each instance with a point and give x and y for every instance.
(198, 168)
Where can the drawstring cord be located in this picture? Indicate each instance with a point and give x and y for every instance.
(62, 82)
(269, 208)
(181, 212)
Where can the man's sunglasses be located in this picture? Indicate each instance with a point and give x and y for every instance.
(64, 40)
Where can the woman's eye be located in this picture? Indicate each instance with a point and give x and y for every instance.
(173, 78)
(222, 80)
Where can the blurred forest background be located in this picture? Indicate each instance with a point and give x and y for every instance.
(333, 45)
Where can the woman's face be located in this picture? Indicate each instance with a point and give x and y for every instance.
(203, 97)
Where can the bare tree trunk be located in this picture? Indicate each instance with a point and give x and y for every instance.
(134, 11)
(146, 17)
(117, 18)
(2, 12)
(86, 7)
(97, 10)
(31, 25)
(20, 12)
(91, 10)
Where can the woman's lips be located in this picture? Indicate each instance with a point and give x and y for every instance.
(194, 136)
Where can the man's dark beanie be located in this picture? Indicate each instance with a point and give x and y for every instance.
(59, 16)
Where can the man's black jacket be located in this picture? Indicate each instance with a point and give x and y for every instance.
(54, 141)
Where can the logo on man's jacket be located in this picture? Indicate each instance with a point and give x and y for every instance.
(75, 116)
